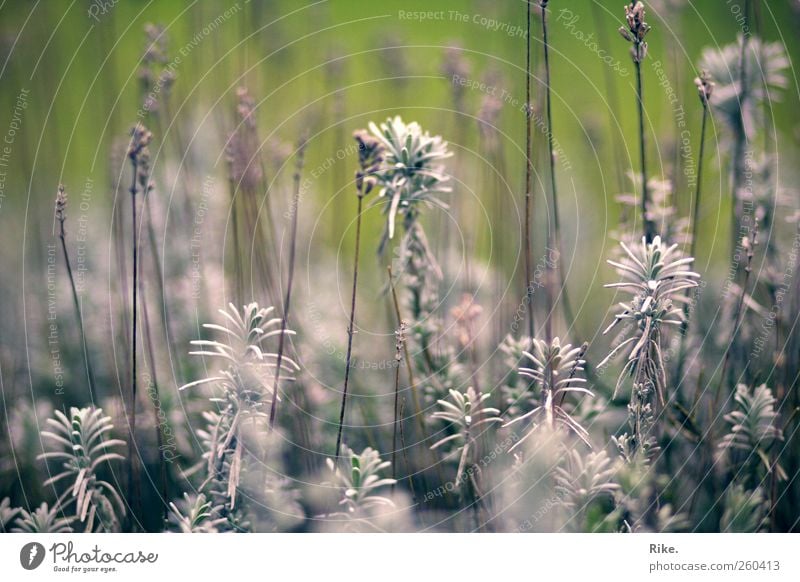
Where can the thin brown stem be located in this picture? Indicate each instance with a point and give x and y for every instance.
(412, 384)
(740, 138)
(613, 101)
(237, 253)
(396, 303)
(555, 236)
(738, 316)
(133, 475)
(151, 235)
(528, 177)
(287, 301)
(699, 184)
(121, 256)
(396, 424)
(76, 304)
(350, 328)
(158, 414)
(649, 227)
(405, 457)
(693, 244)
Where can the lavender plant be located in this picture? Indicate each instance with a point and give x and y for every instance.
(215, 465)
(358, 481)
(410, 174)
(43, 519)
(727, 461)
(643, 498)
(7, 514)
(745, 75)
(753, 432)
(464, 413)
(516, 397)
(655, 276)
(196, 515)
(80, 441)
(244, 381)
(554, 373)
(584, 482)
(744, 511)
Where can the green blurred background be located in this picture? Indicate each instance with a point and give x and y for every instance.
(79, 60)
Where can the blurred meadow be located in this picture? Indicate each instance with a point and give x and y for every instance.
(244, 171)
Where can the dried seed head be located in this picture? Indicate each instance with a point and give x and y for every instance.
(370, 156)
(454, 63)
(155, 75)
(749, 243)
(455, 66)
(369, 148)
(140, 139)
(166, 79)
(61, 204)
(705, 87)
(244, 145)
(156, 44)
(465, 314)
(491, 107)
(143, 171)
(139, 154)
(300, 154)
(400, 338)
(246, 106)
(634, 14)
(636, 31)
(391, 53)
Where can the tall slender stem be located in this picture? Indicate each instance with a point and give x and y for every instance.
(158, 413)
(237, 253)
(396, 304)
(409, 370)
(649, 227)
(147, 216)
(738, 316)
(528, 176)
(286, 304)
(555, 237)
(76, 301)
(549, 292)
(693, 244)
(350, 327)
(699, 184)
(133, 477)
(396, 424)
(612, 99)
(121, 264)
(740, 140)
(405, 458)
